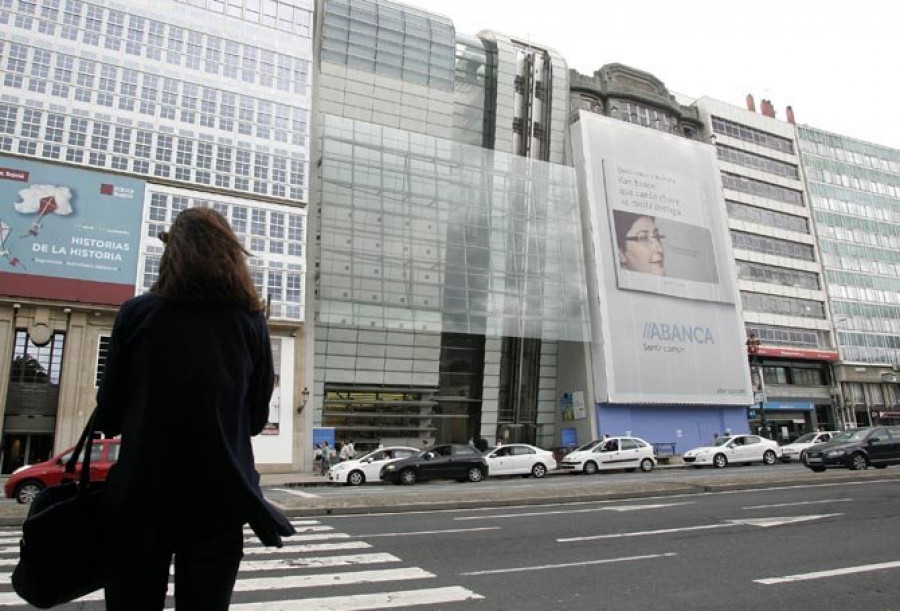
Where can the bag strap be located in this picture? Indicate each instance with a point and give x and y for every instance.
(86, 443)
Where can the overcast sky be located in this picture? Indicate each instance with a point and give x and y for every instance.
(833, 61)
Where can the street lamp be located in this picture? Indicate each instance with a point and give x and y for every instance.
(759, 383)
(304, 397)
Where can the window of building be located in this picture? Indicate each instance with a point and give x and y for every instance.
(748, 134)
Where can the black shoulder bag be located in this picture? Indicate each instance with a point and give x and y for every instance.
(61, 552)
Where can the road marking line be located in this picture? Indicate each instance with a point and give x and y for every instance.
(295, 563)
(307, 495)
(798, 503)
(761, 522)
(571, 511)
(865, 568)
(361, 602)
(250, 536)
(569, 564)
(295, 539)
(330, 579)
(431, 532)
(302, 549)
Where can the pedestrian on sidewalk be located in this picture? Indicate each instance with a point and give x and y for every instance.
(347, 451)
(188, 379)
(317, 461)
(327, 457)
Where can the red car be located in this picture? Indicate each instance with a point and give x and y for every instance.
(27, 481)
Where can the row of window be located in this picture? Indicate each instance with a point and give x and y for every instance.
(854, 315)
(762, 189)
(798, 376)
(859, 251)
(855, 223)
(857, 203)
(850, 151)
(755, 136)
(278, 14)
(786, 306)
(857, 293)
(769, 274)
(772, 246)
(83, 80)
(131, 34)
(787, 336)
(859, 236)
(769, 218)
(870, 340)
(757, 162)
(858, 183)
(127, 149)
(870, 355)
(833, 261)
(888, 283)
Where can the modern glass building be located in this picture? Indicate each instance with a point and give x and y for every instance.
(124, 114)
(447, 262)
(854, 189)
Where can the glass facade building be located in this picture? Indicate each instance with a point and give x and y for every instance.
(447, 255)
(854, 189)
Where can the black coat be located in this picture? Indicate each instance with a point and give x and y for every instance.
(186, 385)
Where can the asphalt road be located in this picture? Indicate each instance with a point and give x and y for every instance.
(821, 547)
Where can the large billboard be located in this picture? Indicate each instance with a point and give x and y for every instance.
(67, 233)
(668, 322)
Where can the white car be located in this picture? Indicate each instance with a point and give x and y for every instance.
(627, 453)
(367, 468)
(519, 459)
(734, 449)
(795, 449)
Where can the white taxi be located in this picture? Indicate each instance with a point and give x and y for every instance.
(519, 459)
(367, 468)
(734, 449)
(795, 449)
(629, 453)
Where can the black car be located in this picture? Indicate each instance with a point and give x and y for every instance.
(450, 461)
(856, 449)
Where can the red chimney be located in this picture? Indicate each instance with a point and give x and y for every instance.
(767, 109)
(751, 105)
(790, 115)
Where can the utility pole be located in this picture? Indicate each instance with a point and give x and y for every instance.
(759, 382)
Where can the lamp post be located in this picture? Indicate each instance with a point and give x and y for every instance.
(759, 383)
(304, 397)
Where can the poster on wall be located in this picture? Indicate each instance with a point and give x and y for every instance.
(275, 444)
(273, 422)
(68, 233)
(671, 327)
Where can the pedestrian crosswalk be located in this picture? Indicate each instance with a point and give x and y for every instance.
(318, 568)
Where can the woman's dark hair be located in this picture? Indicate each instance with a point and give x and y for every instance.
(204, 261)
(624, 221)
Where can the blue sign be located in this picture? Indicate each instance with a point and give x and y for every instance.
(569, 437)
(788, 406)
(68, 233)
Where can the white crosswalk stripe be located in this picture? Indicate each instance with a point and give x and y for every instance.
(316, 569)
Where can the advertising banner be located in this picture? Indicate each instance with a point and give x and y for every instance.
(670, 323)
(67, 233)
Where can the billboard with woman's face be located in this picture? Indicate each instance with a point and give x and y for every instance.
(666, 324)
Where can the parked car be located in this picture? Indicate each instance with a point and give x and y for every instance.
(519, 459)
(629, 453)
(368, 467)
(796, 449)
(449, 461)
(857, 449)
(734, 449)
(27, 481)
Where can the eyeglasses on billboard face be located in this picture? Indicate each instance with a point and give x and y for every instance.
(644, 238)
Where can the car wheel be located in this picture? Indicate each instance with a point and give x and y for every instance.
(356, 478)
(408, 477)
(590, 467)
(26, 491)
(646, 465)
(475, 474)
(858, 462)
(769, 457)
(719, 461)
(539, 470)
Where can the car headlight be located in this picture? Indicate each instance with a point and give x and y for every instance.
(835, 453)
(20, 469)
(389, 468)
(339, 467)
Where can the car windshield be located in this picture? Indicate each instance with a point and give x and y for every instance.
(854, 435)
(805, 438)
(589, 446)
